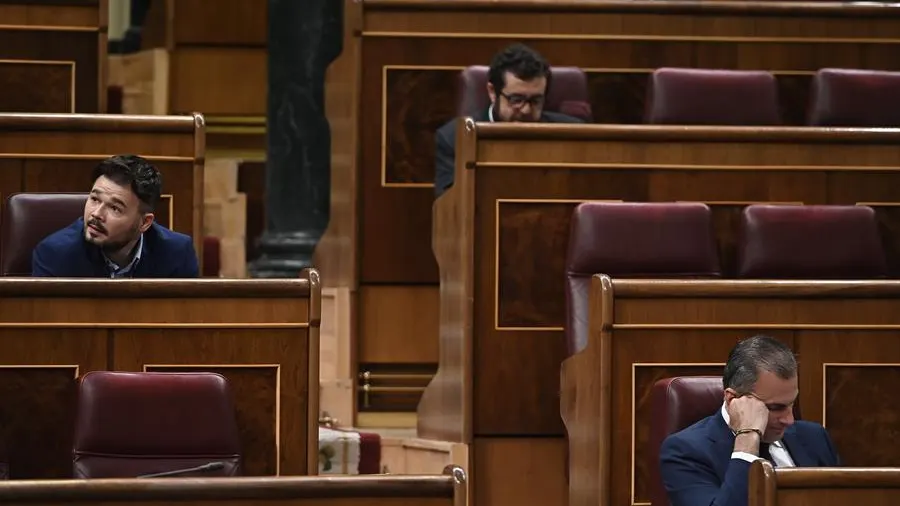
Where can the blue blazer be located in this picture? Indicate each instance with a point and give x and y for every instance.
(65, 254)
(697, 468)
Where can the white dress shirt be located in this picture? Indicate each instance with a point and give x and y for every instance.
(777, 449)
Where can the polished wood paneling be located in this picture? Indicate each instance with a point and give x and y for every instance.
(847, 389)
(59, 50)
(36, 86)
(37, 386)
(770, 486)
(412, 52)
(501, 237)
(535, 467)
(56, 153)
(262, 335)
(642, 330)
(448, 489)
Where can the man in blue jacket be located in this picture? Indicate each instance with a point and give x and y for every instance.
(707, 464)
(117, 236)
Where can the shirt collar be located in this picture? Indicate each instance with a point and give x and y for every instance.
(491, 113)
(114, 269)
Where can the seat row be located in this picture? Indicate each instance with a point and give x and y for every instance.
(687, 96)
(676, 240)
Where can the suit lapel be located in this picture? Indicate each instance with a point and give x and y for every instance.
(797, 449)
(723, 441)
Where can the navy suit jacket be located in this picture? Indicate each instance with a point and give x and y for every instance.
(697, 468)
(65, 254)
(445, 147)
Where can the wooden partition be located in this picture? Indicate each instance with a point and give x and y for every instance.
(57, 152)
(501, 233)
(199, 58)
(397, 79)
(53, 56)
(844, 334)
(262, 335)
(872, 486)
(436, 490)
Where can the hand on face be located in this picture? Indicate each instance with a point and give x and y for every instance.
(748, 412)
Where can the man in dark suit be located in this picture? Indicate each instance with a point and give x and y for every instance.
(517, 86)
(117, 236)
(707, 464)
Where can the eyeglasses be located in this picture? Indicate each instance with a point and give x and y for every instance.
(518, 101)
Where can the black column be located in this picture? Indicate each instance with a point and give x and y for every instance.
(305, 36)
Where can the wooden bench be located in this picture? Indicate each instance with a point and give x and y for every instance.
(844, 333)
(448, 489)
(262, 335)
(53, 56)
(770, 486)
(501, 234)
(57, 152)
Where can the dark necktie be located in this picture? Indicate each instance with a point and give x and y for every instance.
(764, 453)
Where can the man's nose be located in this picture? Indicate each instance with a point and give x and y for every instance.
(788, 417)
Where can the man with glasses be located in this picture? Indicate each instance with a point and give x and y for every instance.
(708, 463)
(517, 86)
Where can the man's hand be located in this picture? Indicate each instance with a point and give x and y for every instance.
(748, 412)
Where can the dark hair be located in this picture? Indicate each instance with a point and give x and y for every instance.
(520, 60)
(754, 355)
(132, 170)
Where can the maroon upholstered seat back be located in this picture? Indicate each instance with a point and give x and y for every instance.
(810, 242)
(633, 240)
(27, 219)
(686, 96)
(677, 403)
(855, 98)
(130, 424)
(567, 92)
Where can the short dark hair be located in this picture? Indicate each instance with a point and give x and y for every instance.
(132, 170)
(520, 60)
(754, 355)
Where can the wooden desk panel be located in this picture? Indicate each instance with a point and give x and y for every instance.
(53, 56)
(844, 333)
(56, 153)
(259, 334)
(872, 486)
(501, 236)
(448, 489)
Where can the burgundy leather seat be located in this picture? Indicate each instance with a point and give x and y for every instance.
(677, 403)
(633, 240)
(567, 92)
(684, 96)
(855, 98)
(130, 424)
(810, 242)
(27, 219)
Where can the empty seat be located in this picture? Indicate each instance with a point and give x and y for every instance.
(27, 219)
(855, 98)
(810, 242)
(684, 96)
(131, 424)
(567, 92)
(633, 240)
